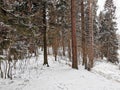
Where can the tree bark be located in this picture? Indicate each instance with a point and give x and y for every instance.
(74, 42)
(44, 35)
(1, 69)
(63, 44)
(69, 49)
(84, 56)
(91, 49)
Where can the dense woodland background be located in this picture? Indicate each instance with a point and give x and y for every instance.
(70, 27)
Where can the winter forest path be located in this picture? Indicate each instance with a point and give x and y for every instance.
(57, 77)
(61, 77)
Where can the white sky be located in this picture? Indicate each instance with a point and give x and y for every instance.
(117, 3)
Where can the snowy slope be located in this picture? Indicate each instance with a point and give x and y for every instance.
(107, 70)
(58, 76)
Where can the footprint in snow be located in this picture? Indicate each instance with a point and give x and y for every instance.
(62, 86)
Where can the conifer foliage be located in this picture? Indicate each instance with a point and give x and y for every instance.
(108, 29)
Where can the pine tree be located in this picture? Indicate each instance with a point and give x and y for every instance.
(74, 43)
(100, 38)
(45, 33)
(108, 32)
(90, 39)
(95, 29)
(84, 51)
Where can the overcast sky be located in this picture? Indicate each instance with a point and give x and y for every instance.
(117, 3)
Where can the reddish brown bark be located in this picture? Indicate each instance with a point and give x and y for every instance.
(74, 43)
(84, 54)
(91, 49)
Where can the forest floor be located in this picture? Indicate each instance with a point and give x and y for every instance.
(60, 76)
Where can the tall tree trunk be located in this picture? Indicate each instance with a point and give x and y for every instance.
(91, 49)
(44, 34)
(84, 56)
(74, 42)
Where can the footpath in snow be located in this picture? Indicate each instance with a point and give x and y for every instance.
(58, 76)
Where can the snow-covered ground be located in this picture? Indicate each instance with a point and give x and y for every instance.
(59, 76)
(107, 70)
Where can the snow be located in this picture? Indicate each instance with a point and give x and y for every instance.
(107, 70)
(60, 76)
